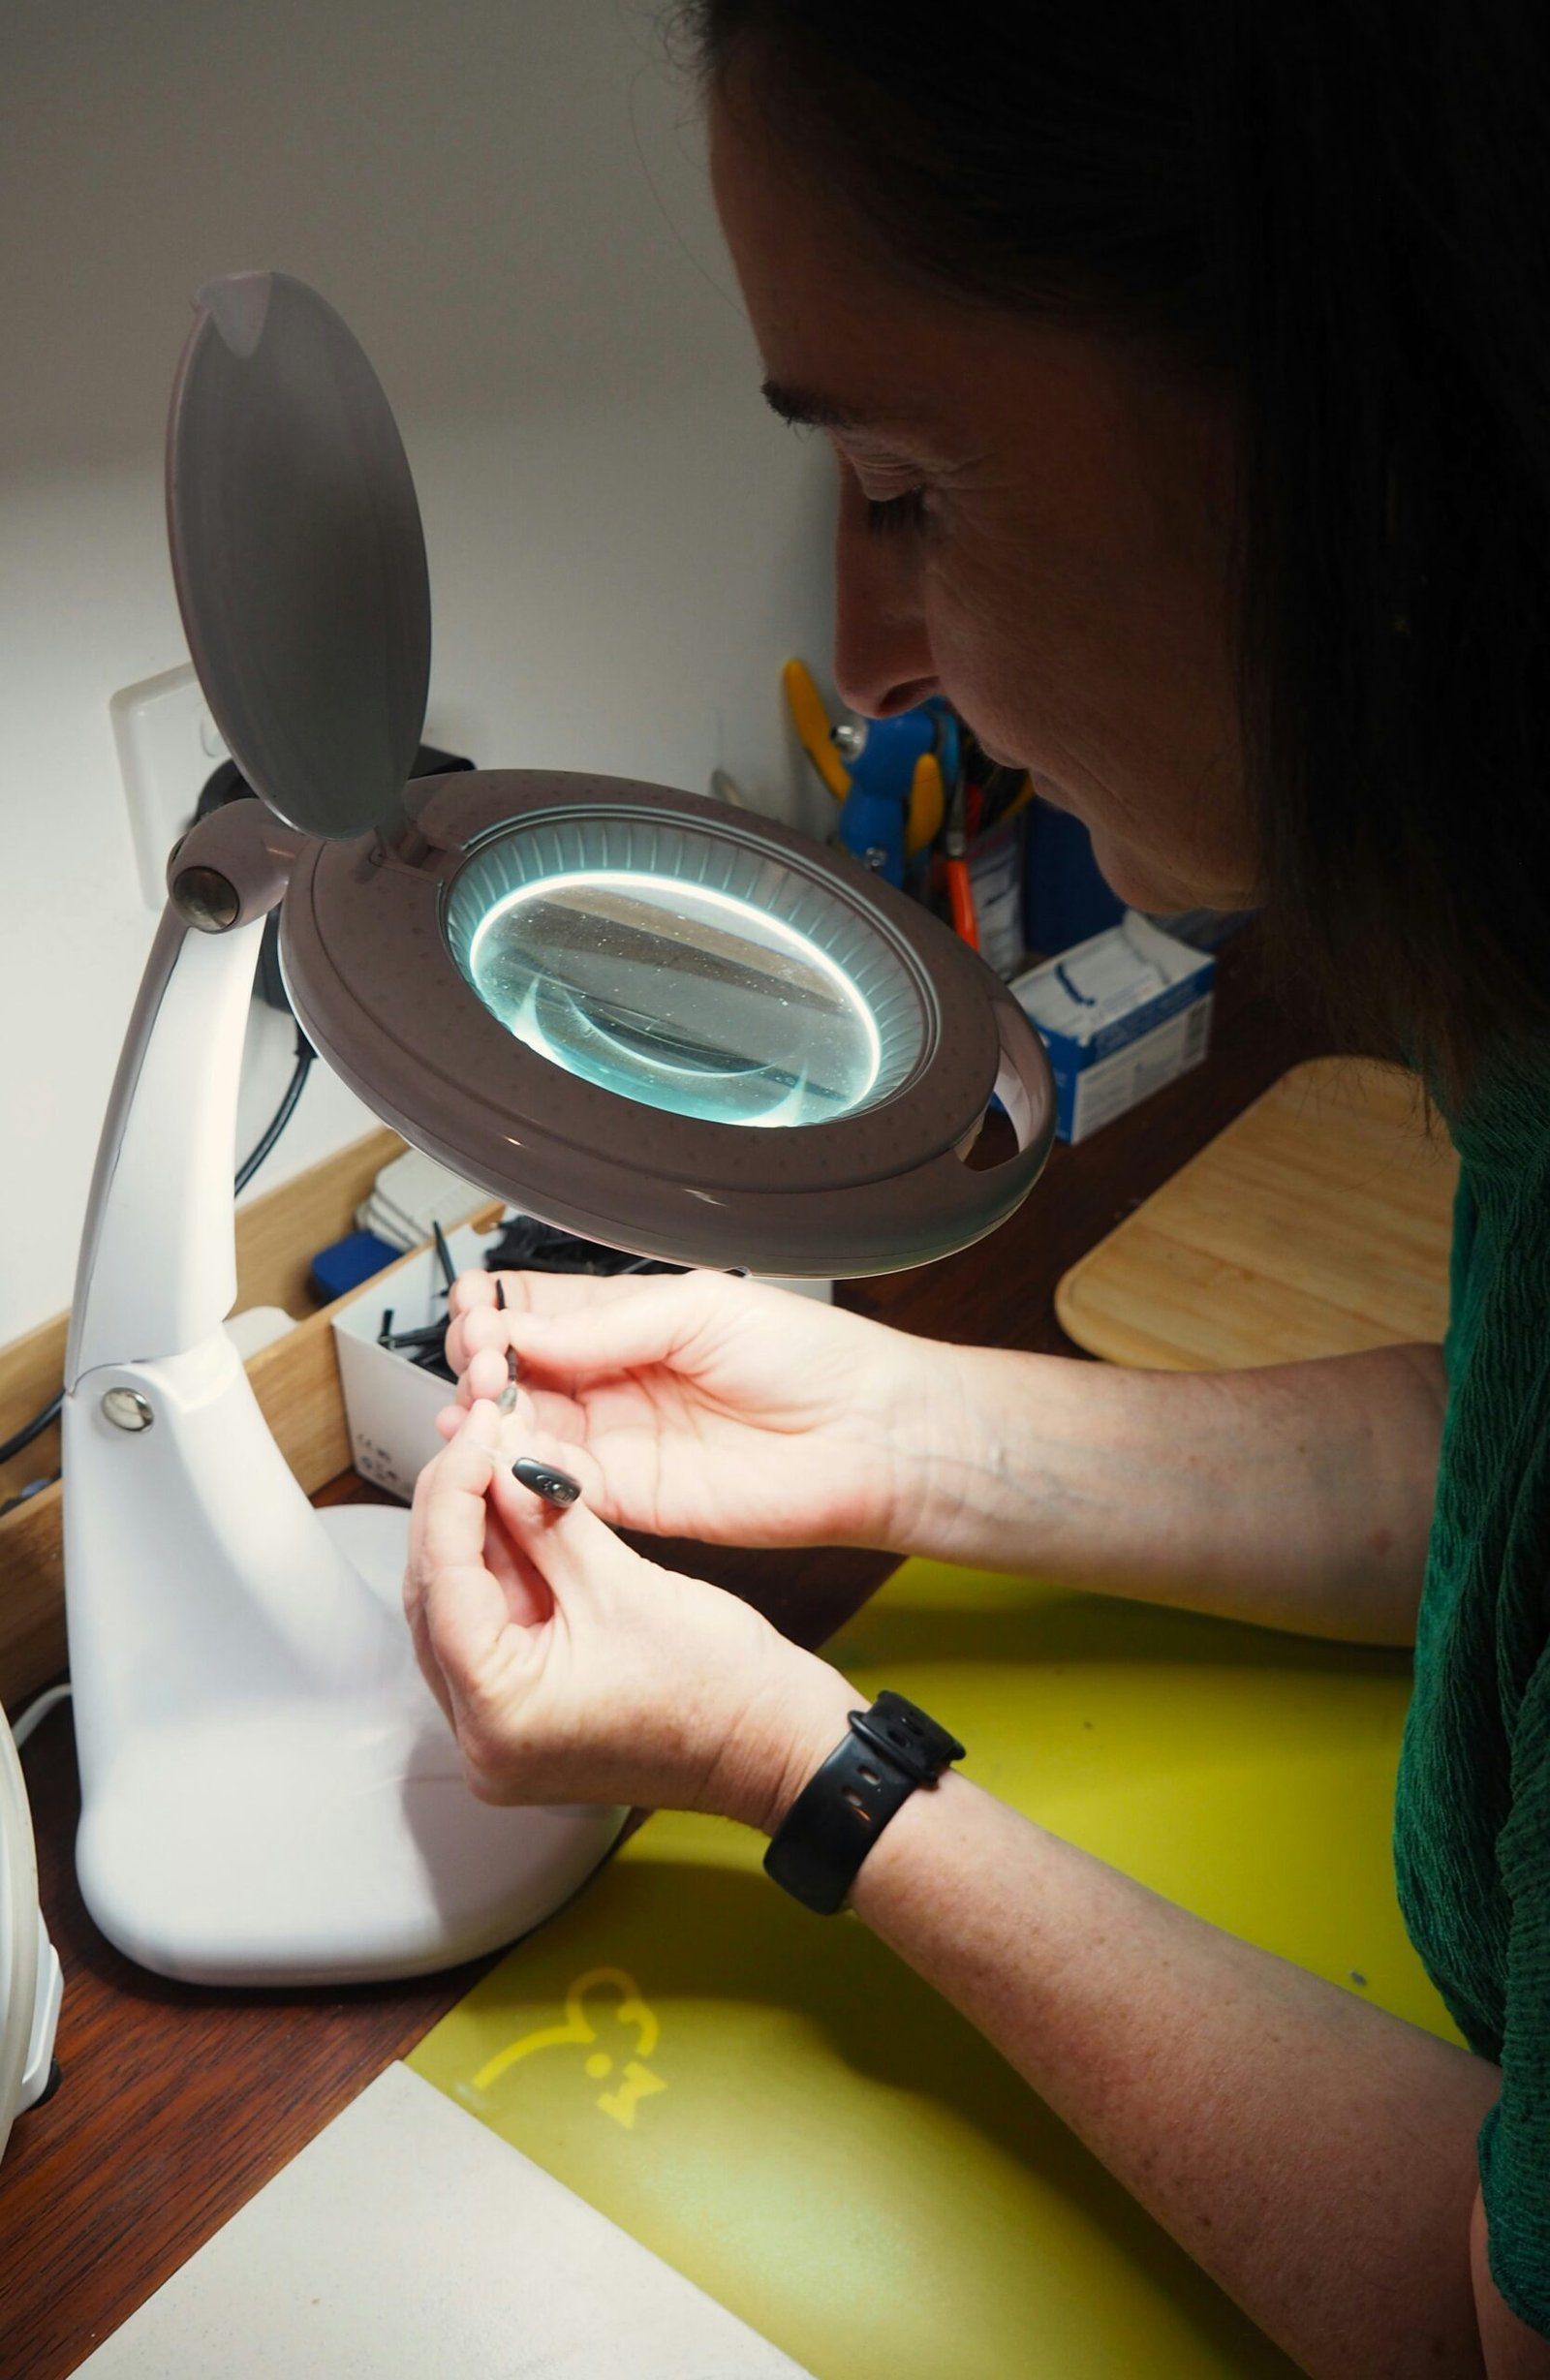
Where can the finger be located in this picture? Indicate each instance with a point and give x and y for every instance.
(571, 1548)
(460, 1586)
(525, 1592)
(473, 1332)
(517, 1416)
(469, 1291)
(425, 1651)
(450, 1511)
(447, 1524)
(555, 1416)
(529, 1600)
(486, 1374)
(475, 1295)
(563, 1292)
(547, 1421)
(451, 1417)
(482, 1333)
(471, 1638)
(655, 1321)
(572, 1294)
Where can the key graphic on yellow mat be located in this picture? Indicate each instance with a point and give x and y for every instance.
(576, 2032)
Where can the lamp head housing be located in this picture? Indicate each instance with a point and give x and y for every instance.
(636, 1014)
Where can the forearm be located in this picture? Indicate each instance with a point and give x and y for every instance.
(1298, 1498)
(1316, 2155)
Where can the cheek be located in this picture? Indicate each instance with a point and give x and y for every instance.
(1047, 685)
(1008, 654)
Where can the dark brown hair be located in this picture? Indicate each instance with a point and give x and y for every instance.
(1345, 206)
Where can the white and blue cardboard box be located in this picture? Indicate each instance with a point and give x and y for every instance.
(1120, 1016)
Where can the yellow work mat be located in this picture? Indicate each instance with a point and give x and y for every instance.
(1317, 1223)
(774, 2104)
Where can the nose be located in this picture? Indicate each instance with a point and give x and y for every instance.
(882, 662)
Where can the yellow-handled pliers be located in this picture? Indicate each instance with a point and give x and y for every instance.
(814, 727)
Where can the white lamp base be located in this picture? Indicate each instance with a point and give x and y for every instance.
(324, 1836)
(269, 1793)
(31, 1986)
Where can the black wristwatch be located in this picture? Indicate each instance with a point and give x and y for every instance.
(839, 1813)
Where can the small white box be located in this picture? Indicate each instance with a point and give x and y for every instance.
(414, 1192)
(1120, 1016)
(391, 1404)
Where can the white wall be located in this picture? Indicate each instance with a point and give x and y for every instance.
(506, 200)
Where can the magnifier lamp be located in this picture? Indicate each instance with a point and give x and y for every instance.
(631, 1011)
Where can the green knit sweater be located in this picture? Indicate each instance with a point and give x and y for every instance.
(1471, 1830)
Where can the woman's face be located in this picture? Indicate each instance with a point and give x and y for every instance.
(1035, 522)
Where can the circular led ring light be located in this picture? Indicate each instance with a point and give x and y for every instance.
(666, 961)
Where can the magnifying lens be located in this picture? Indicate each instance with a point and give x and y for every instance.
(645, 1017)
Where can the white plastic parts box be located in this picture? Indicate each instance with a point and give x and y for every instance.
(1120, 1016)
(391, 1403)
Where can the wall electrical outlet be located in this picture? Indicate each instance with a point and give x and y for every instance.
(168, 747)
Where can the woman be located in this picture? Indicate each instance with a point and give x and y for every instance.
(1189, 376)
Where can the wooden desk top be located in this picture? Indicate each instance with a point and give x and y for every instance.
(177, 2104)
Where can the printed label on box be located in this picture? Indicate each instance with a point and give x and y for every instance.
(1119, 1015)
(1106, 1090)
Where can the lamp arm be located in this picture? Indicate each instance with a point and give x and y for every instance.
(158, 1261)
(158, 1256)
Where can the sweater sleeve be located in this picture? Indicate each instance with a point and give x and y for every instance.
(1514, 2149)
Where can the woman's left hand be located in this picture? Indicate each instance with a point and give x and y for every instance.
(573, 1670)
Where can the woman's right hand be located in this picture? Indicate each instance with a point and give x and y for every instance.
(704, 1405)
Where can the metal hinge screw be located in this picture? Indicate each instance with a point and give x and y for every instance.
(127, 1410)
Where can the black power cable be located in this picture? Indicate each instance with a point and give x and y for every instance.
(305, 1054)
(30, 1430)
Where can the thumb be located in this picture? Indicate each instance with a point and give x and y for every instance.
(575, 1551)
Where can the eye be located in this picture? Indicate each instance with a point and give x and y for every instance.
(889, 515)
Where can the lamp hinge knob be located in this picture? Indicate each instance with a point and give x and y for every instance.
(127, 1410)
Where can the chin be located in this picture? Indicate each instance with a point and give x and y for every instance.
(1145, 883)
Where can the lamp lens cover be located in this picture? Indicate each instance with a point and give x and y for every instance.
(685, 969)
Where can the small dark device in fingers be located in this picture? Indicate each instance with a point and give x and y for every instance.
(508, 1397)
(556, 1488)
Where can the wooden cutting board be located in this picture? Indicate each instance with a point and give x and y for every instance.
(1317, 1223)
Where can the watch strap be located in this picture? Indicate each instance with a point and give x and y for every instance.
(887, 1753)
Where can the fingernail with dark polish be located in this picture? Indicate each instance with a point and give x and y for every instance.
(556, 1488)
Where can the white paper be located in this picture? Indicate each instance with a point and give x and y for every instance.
(408, 2241)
